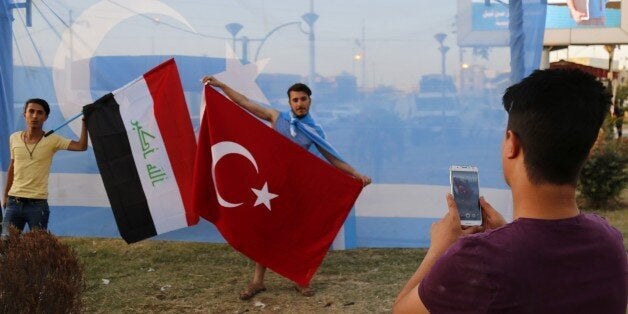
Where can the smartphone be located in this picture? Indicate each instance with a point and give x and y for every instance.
(465, 187)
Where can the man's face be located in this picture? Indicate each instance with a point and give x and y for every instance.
(300, 103)
(34, 115)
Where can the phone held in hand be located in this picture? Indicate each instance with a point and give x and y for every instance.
(465, 187)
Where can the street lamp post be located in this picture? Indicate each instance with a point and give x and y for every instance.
(610, 49)
(270, 33)
(443, 51)
(440, 37)
(6, 69)
(310, 18)
(361, 57)
(233, 29)
(245, 49)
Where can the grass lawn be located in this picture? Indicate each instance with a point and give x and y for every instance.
(155, 276)
(175, 277)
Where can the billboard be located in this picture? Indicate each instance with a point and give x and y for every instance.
(568, 22)
(585, 22)
(583, 14)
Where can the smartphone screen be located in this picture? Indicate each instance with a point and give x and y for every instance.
(466, 191)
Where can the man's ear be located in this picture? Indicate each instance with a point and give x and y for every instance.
(512, 145)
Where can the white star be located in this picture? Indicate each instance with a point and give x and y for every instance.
(263, 196)
(241, 77)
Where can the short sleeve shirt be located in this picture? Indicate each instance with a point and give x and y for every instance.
(574, 265)
(31, 172)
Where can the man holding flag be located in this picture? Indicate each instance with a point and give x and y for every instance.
(26, 192)
(298, 126)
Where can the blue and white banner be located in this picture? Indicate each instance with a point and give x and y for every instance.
(402, 88)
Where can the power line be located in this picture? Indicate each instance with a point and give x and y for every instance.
(142, 15)
(170, 25)
(53, 12)
(47, 21)
(19, 51)
(41, 59)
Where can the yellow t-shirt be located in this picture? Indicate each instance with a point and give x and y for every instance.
(30, 173)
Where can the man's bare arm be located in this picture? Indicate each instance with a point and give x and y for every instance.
(81, 145)
(344, 167)
(5, 197)
(261, 112)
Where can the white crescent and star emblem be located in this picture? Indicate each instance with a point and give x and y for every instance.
(74, 61)
(222, 149)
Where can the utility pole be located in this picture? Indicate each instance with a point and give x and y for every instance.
(610, 49)
(363, 56)
(233, 29)
(517, 39)
(310, 18)
(6, 71)
(440, 37)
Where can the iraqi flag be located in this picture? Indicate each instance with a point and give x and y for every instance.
(144, 145)
(272, 200)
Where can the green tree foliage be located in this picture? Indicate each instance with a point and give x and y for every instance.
(604, 176)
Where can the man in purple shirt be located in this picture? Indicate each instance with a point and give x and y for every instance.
(552, 258)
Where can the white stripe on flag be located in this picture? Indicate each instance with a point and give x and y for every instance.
(151, 158)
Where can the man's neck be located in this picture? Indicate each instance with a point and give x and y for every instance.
(33, 133)
(546, 201)
(295, 115)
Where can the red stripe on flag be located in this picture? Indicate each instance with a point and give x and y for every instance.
(173, 118)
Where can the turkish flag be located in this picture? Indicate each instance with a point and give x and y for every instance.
(272, 200)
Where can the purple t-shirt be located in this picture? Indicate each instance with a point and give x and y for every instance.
(574, 265)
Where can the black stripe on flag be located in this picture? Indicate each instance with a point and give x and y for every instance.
(118, 170)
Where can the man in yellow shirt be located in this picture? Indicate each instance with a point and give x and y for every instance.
(26, 193)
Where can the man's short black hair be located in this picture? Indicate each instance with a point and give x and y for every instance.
(300, 87)
(40, 102)
(557, 116)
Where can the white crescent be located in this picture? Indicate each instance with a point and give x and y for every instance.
(222, 149)
(71, 72)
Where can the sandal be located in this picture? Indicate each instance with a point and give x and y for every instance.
(251, 291)
(305, 291)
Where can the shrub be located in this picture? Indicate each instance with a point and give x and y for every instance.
(603, 176)
(39, 274)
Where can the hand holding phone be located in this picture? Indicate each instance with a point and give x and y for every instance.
(492, 219)
(465, 187)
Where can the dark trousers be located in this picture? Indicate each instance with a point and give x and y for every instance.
(21, 211)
